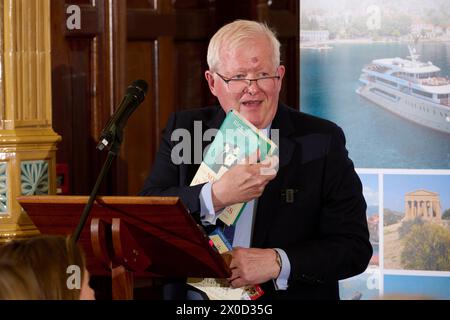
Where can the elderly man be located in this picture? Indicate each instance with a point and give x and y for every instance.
(304, 226)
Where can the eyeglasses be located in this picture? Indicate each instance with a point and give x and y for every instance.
(237, 85)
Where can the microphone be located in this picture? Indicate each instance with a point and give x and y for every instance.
(134, 96)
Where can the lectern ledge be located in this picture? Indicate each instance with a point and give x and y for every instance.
(131, 236)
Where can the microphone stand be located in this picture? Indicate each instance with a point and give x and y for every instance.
(117, 135)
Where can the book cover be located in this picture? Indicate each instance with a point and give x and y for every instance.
(236, 141)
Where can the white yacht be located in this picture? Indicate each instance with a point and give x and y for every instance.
(409, 88)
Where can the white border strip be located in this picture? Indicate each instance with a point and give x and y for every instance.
(402, 171)
(395, 272)
(381, 230)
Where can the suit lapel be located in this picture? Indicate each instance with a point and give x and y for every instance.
(283, 124)
(213, 122)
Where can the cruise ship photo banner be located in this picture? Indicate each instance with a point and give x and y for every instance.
(381, 71)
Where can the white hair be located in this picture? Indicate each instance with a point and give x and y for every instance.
(235, 34)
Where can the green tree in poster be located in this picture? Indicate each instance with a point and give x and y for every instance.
(427, 247)
(391, 217)
(407, 225)
(399, 26)
(446, 215)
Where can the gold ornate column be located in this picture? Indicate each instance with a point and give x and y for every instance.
(27, 140)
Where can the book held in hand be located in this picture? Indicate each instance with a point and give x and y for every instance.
(237, 141)
(220, 289)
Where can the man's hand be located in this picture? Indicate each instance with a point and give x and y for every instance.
(243, 182)
(252, 266)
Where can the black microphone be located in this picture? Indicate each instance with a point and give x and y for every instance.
(134, 96)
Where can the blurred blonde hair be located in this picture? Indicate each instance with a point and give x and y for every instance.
(48, 258)
(235, 34)
(17, 282)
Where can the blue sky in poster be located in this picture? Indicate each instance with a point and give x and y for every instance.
(396, 186)
(370, 188)
(432, 286)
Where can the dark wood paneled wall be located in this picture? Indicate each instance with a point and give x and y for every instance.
(80, 81)
(163, 42)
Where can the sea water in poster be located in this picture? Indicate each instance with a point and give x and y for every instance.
(380, 70)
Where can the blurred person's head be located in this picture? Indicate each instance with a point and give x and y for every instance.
(49, 258)
(17, 282)
(244, 70)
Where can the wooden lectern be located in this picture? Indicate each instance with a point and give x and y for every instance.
(128, 236)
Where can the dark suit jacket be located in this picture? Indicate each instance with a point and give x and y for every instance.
(323, 231)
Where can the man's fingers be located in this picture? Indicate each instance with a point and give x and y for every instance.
(269, 167)
(248, 160)
(271, 162)
(237, 283)
(251, 159)
(234, 275)
(244, 160)
(269, 173)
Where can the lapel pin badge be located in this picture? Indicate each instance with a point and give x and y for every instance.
(288, 195)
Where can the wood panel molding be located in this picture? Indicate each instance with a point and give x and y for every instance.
(148, 24)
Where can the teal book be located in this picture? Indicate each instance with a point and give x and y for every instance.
(237, 141)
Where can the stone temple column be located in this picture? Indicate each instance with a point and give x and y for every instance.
(27, 140)
(421, 213)
(418, 209)
(429, 210)
(437, 206)
(415, 209)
